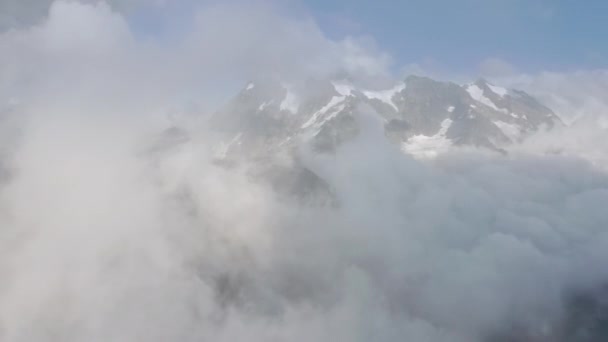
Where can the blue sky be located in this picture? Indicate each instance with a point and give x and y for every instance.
(458, 35)
(454, 35)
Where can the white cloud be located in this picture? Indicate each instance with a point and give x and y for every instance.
(578, 98)
(572, 94)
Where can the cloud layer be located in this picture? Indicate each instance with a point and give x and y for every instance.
(105, 238)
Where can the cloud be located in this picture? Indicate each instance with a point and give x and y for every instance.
(25, 13)
(495, 67)
(573, 94)
(104, 238)
(578, 98)
(15, 13)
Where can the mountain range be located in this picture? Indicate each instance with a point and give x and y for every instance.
(268, 124)
(422, 116)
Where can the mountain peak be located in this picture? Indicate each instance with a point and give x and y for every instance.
(416, 79)
(271, 115)
(481, 82)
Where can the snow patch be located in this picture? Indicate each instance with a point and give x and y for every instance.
(500, 91)
(386, 96)
(250, 86)
(512, 131)
(445, 125)
(425, 147)
(343, 88)
(477, 95)
(224, 148)
(264, 105)
(333, 102)
(333, 113)
(450, 109)
(290, 102)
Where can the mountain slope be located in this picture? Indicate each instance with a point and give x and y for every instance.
(423, 116)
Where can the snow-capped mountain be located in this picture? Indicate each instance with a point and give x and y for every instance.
(423, 116)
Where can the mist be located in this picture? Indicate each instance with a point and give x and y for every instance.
(113, 230)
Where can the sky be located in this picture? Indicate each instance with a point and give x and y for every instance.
(449, 36)
(551, 49)
(459, 35)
